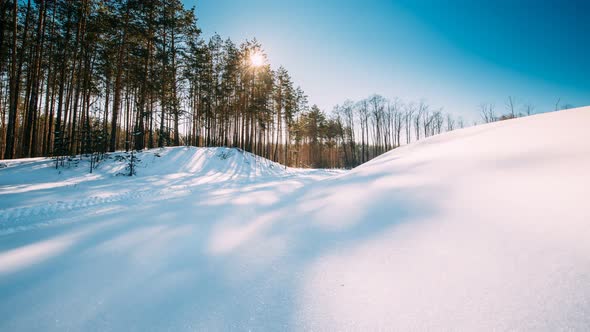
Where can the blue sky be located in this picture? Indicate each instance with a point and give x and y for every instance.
(453, 54)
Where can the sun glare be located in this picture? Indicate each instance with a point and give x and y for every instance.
(256, 59)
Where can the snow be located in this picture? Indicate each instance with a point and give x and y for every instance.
(484, 228)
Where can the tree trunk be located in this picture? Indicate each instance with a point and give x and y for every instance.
(119, 82)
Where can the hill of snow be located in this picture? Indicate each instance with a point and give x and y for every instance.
(485, 228)
(34, 191)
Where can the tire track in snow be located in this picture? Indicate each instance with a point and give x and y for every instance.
(27, 217)
(227, 166)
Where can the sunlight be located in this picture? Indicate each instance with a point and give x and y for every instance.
(257, 59)
(16, 259)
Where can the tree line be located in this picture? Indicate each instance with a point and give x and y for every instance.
(81, 76)
(365, 129)
(91, 76)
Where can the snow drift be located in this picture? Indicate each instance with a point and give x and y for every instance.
(479, 229)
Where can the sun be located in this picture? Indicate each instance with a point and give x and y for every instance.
(257, 59)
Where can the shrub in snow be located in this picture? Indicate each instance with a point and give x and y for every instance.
(225, 154)
(130, 158)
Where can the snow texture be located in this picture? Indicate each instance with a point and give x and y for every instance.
(484, 228)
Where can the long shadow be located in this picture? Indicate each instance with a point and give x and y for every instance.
(151, 266)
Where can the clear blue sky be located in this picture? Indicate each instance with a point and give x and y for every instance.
(454, 54)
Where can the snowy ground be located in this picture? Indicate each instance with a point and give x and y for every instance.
(486, 228)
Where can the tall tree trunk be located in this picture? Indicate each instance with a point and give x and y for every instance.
(119, 82)
(30, 124)
(175, 109)
(13, 102)
(164, 99)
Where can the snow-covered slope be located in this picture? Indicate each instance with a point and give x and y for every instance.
(33, 191)
(486, 228)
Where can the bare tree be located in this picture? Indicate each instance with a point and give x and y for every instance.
(363, 113)
(487, 113)
(347, 111)
(422, 108)
(557, 104)
(511, 106)
(409, 114)
(398, 121)
(426, 122)
(450, 122)
(377, 104)
(437, 122)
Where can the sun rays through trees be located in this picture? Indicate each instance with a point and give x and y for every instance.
(83, 77)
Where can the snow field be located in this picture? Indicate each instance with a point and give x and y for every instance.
(484, 228)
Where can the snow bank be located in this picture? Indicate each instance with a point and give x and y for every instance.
(484, 228)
